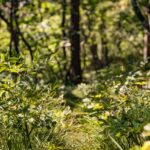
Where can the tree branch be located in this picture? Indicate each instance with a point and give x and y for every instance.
(3, 18)
(140, 16)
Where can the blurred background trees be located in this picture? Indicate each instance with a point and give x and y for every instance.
(74, 74)
(70, 37)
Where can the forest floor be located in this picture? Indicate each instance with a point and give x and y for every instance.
(108, 111)
(111, 108)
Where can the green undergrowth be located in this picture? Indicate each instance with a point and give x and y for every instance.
(108, 111)
(118, 99)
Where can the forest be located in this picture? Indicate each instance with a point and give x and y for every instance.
(74, 74)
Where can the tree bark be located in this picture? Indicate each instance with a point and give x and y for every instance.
(146, 52)
(96, 63)
(75, 72)
(146, 24)
(104, 49)
(140, 16)
(64, 6)
(14, 40)
(14, 29)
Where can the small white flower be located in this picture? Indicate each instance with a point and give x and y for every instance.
(86, 100)
(90, 106)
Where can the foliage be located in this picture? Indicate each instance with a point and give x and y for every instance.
(40, 110)
(27, 108)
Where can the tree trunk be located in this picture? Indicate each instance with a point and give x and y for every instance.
(64, 5)
(146, 52)
(14, 40)
(96, 64)
(75, 72)
(104, 49)
(104, 53)
(146, 25)
(14, 29)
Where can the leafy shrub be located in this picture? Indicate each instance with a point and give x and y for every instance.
(27, 108)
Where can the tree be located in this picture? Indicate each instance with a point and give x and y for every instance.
(75, 72)
(147, 37)
(64, 6)
(146, 24)
(104, 48)
(91, 15)
(13, 26)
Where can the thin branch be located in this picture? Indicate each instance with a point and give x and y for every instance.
(26, 43)
(3, 18)
(23, 38)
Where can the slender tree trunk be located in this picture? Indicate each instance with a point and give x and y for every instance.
(104, 49)
(64, 35)
(14, 40)
(14, 29)
(96, 64)
(104, 52)
(146, 25)
(146, 52)
(64, 6)
(75, 72)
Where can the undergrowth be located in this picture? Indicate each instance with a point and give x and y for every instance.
(107, 112)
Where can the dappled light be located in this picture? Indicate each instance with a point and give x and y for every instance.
(74, 75)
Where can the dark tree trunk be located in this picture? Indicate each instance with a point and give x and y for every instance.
(64, 35)
(104, 49)
(104, 54)
(14, 40)
(14, 29)
(96, 64)
(140, 16)
(75, 72)
(64, 6)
